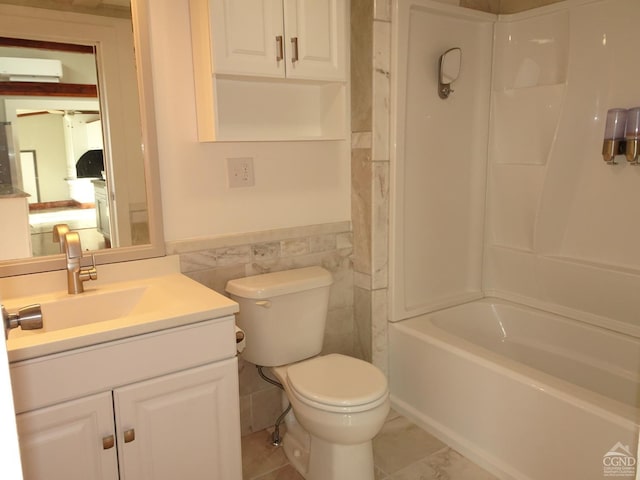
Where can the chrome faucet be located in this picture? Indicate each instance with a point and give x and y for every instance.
(76, 275)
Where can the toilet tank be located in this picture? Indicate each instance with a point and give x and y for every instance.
(283, 314)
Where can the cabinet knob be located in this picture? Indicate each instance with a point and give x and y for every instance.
(294, 44)
(108, 442)
(129, 435)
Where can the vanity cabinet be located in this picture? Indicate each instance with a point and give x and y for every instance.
(65, 441)
(150, 424)
(270, 69)
(177, 426)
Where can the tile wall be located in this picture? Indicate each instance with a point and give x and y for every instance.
(214, 261)
(370, 155)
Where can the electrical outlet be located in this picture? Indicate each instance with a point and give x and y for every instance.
(240, 172)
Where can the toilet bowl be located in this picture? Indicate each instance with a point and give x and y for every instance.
(339, 403)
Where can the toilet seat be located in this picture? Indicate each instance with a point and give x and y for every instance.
(338, 383)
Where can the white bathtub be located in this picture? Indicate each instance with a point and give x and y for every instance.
(522, 392)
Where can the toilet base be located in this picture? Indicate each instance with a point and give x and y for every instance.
(296, 453)
(340, 458)
(330, 461)
(296, 440)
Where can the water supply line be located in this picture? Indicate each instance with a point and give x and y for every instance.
(276, 439)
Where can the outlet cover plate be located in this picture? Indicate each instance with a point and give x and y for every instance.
(240, 172)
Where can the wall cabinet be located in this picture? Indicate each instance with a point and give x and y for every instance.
(183, 424)
(302, 39)
(270, 69)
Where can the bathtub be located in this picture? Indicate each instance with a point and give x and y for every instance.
(524, 393)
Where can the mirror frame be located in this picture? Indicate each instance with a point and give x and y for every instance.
(156, 247)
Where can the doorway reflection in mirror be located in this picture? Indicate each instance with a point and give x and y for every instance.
(57, 121)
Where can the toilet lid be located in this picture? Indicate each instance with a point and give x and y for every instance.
(337, 380)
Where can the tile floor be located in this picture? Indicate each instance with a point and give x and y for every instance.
(402, 451)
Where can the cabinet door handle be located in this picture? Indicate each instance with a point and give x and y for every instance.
(279, 48)
(294, 44)
(108, 442)
(129, 435)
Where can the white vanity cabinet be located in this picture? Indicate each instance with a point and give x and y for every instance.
(65, 440)
(270, 69)
(158, 406)
(178, 426)
(279, 38)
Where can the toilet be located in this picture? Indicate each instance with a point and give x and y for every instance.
(339, 403)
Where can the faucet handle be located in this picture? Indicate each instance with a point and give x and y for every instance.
(89, 273)
(28, 318)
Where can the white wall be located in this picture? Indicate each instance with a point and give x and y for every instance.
(14, 217)
(297, 183)
(45, 135)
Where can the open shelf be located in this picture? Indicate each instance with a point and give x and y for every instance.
(265, 109)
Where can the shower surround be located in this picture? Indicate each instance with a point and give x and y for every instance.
(501, 191)
(561, 229)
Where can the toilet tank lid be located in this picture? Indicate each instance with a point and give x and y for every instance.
(279, 283)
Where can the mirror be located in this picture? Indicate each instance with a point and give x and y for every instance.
(104, 180)
(448, 71)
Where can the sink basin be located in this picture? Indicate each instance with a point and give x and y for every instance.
(88, 308)
(128, 299)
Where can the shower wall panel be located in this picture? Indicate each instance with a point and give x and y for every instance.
(563, 229)
(439, 162)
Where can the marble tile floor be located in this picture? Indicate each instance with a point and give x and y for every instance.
(402, 451)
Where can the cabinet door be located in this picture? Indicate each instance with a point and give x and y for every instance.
(69, 441)
(316, 39)
(247, 37)
(183, 425)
